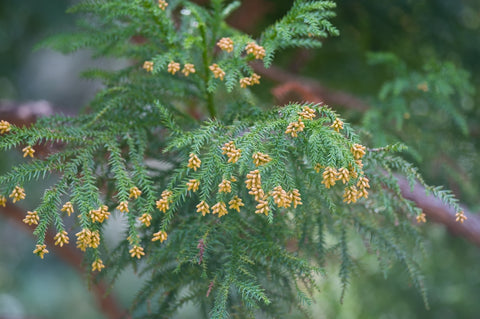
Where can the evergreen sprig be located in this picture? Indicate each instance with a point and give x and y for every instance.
(176, 137)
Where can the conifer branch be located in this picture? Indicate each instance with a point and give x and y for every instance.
(244, 183)
(434, 208)
(107, 303)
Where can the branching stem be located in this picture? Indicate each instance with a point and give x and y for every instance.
(206, 62)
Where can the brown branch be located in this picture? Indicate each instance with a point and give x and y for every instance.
(106, 301)
(24, 113)
(439, 212)
(306, 89)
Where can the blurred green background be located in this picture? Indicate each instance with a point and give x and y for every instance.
(416, 31)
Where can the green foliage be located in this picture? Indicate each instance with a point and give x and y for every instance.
(305, 25)
(143, 129)
(440, 87)
(434, 104)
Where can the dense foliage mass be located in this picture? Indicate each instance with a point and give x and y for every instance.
(230, 202)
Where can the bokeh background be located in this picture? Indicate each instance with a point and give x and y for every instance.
(417, 31)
